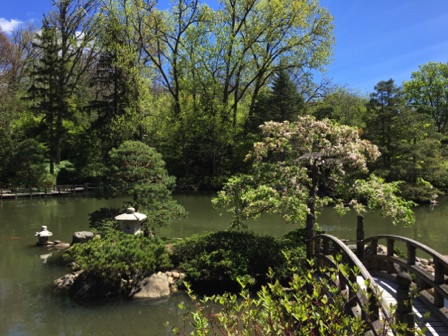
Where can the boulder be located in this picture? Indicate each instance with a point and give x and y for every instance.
(82, 236)
(65, 282)
(61, 246)
(154, 287)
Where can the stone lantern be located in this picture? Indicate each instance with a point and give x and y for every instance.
(131, 221)
(43, 235)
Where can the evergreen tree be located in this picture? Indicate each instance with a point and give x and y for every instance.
(43, 90)
(138, 170)
(65, 50)
(285, 103)
(282, 103)
(410, 145)
(117, 79)
(383, 109)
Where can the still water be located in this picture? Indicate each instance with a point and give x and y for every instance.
(29, 307)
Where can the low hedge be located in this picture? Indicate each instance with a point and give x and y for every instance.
(222, 257)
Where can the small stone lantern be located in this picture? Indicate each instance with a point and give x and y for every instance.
(43, 235)
(131, 221)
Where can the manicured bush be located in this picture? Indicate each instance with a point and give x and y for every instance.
(102, 220)
(119, 258)
(224, 256)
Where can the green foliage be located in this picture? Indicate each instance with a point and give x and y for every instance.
(310, 305)
(411, 148)
(283, 102)
(27, 167)
(215, 62)
(294, 248)
(118, 256)
(118, 78)
(375, 193)
(103, 221)
(138, 170)
(63, 171)
(428, 91)
(63, 51)
(220, 258)
(300, 167)
(421, 191)
(346, 106)
(225, 256)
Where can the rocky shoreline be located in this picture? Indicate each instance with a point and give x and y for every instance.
(156, 286)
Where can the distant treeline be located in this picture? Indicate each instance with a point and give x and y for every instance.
(195, 82)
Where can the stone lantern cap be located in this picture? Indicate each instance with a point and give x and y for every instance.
(43, 232)
(131, 215)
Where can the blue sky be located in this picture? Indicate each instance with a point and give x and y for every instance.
(375, 40)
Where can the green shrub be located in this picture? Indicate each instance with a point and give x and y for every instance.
(102, 220)
(224, 256)
(309, 306)
(293, 245)
(119, 256)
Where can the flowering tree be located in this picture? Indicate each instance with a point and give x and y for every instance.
(301, 166)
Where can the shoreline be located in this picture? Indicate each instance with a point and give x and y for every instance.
(63, 190)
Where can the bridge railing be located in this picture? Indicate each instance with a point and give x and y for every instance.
(423, 278)
(364, 301)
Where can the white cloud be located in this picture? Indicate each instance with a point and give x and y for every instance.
(9, 25)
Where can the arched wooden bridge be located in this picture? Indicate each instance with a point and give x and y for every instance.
(384, 284)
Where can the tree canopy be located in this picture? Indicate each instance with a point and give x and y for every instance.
(195, 82)
(428, 91)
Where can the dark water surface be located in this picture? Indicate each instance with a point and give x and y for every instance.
(28, 306)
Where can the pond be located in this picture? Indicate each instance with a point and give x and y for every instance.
(29, 307)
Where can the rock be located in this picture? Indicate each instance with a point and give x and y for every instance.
(61, 246)
(169, 248)
(65, 282)
(381, 249)
(82, 236)
(154, 287)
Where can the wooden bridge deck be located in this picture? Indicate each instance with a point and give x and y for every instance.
(433, 325)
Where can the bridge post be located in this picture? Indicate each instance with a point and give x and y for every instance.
(360, 235)
(310, 233)
(411, 254)
(390, 253)
(404, 314)
(439, 279)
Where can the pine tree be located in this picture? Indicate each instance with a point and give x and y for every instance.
(282, 103)
(65, 49)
